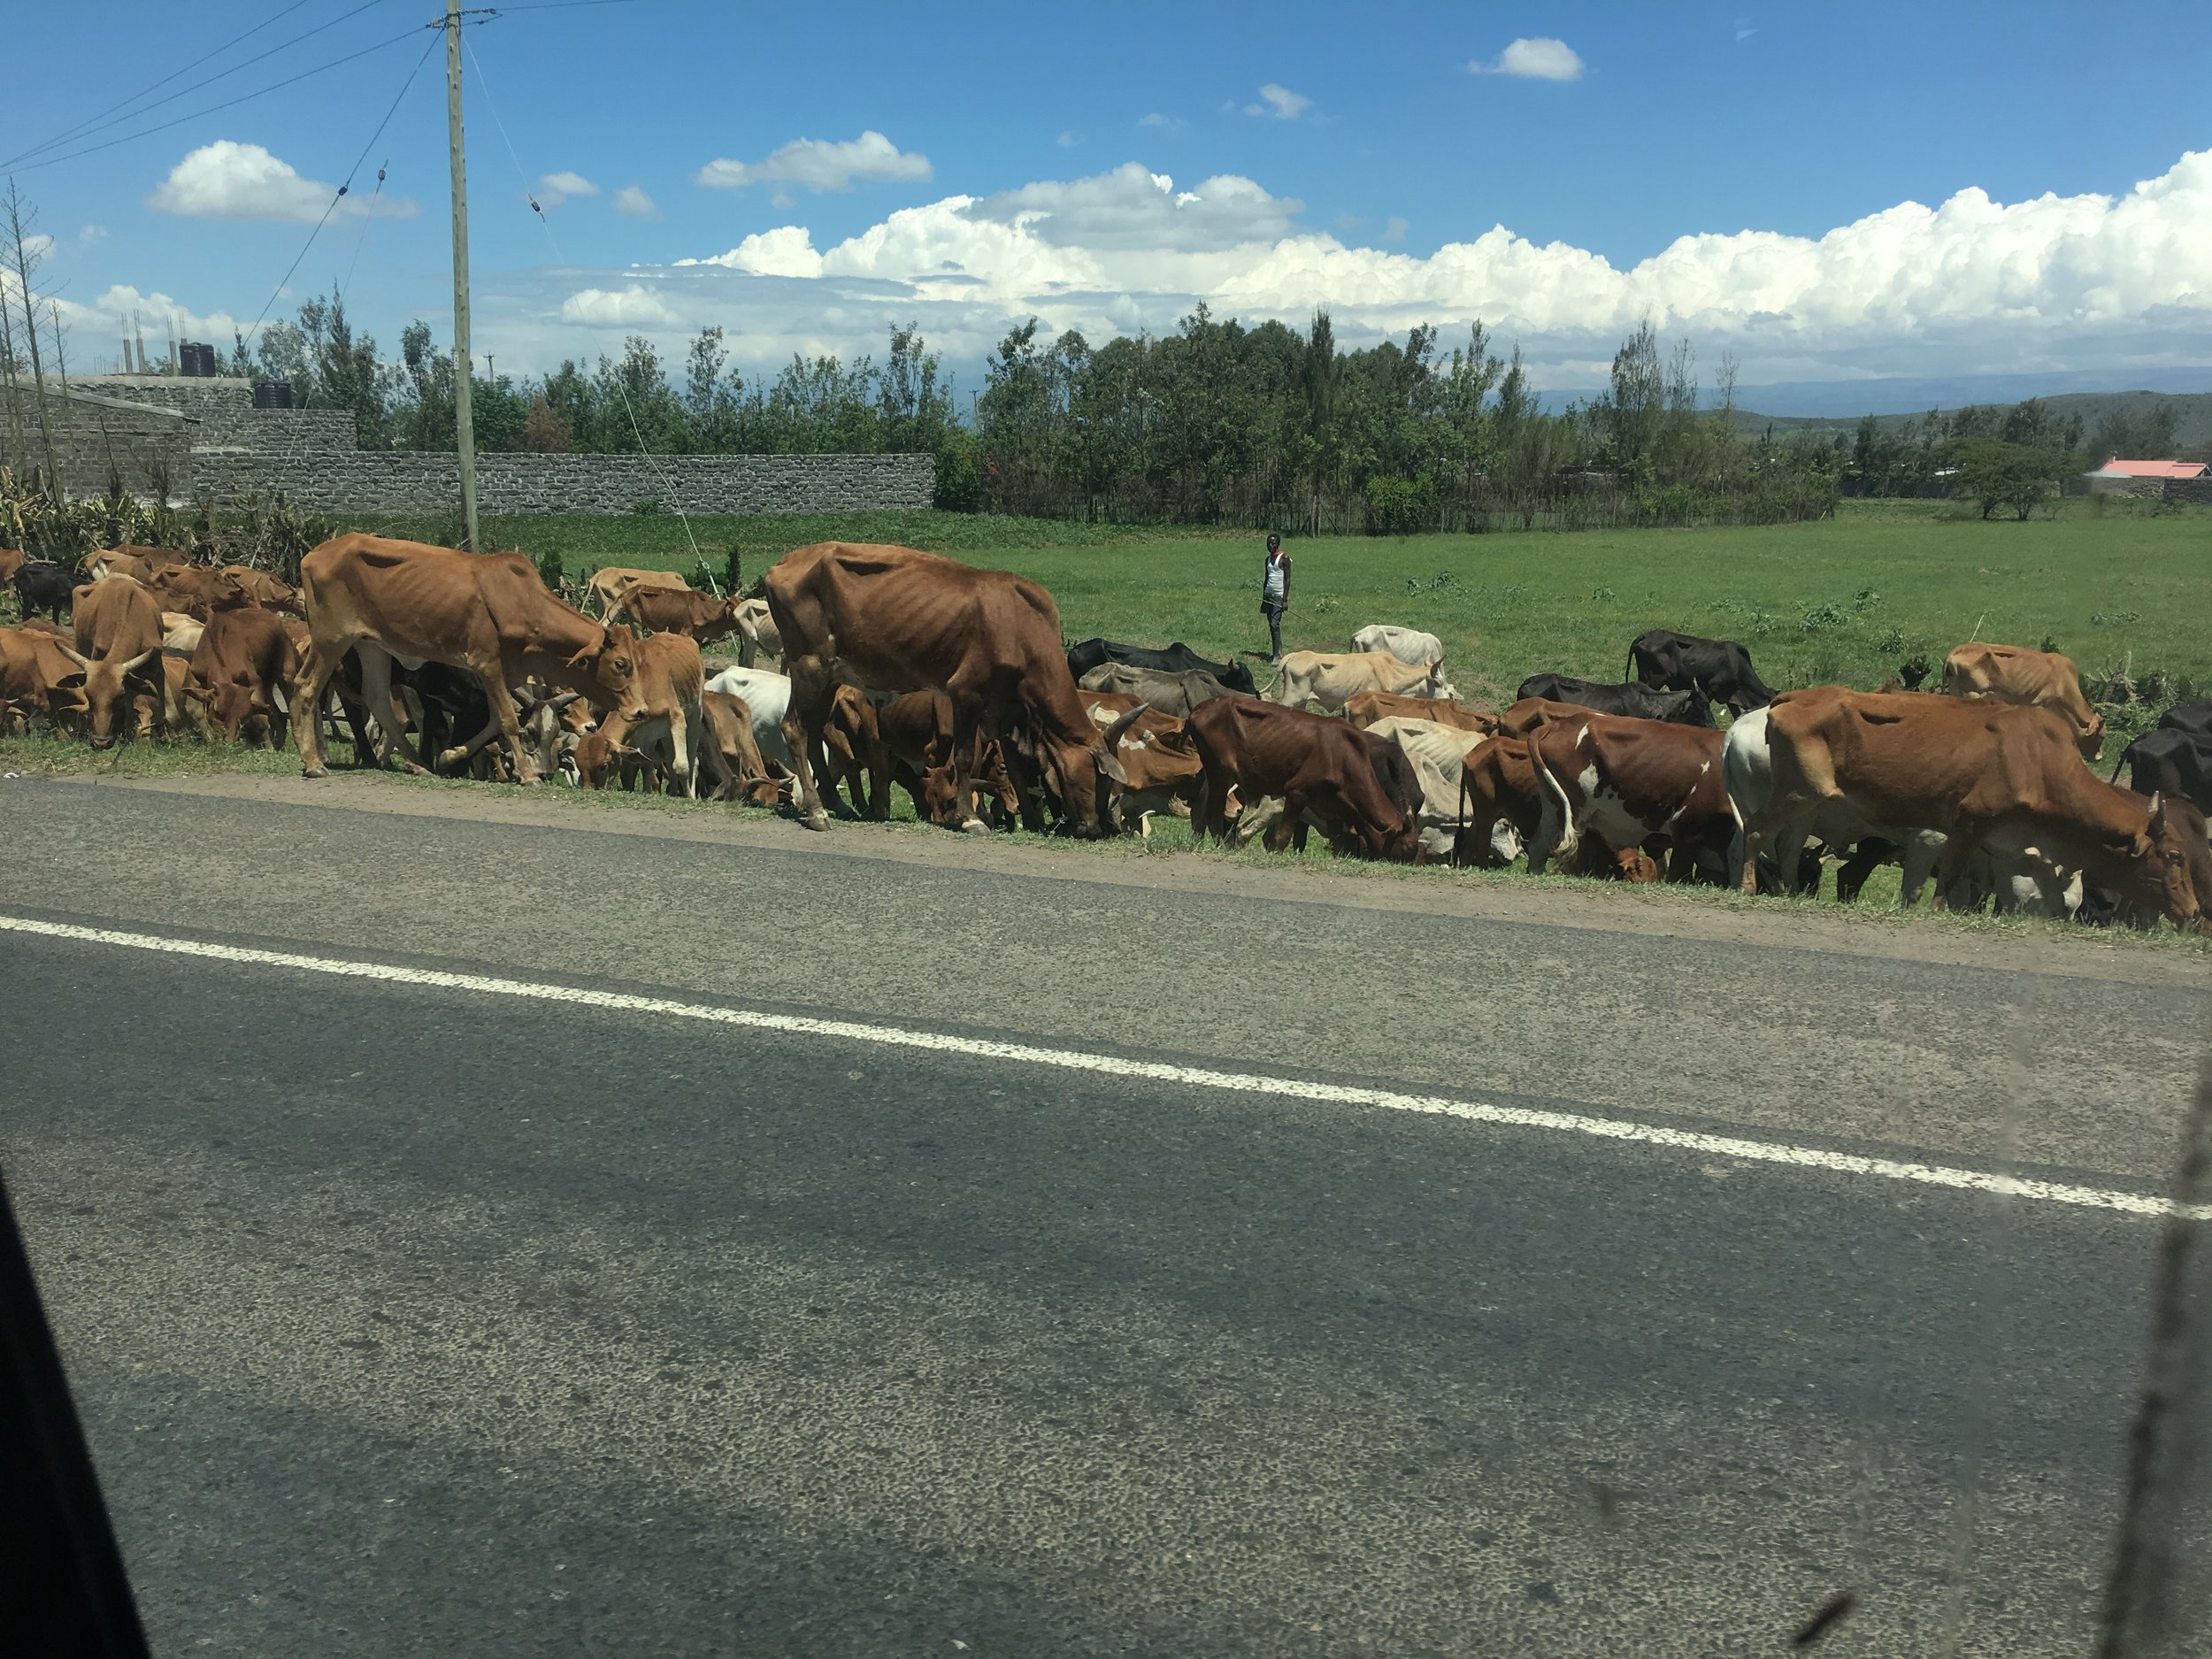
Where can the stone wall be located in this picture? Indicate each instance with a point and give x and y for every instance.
(94, 436)
(2198, 489)
(311, 456)
(402, 480)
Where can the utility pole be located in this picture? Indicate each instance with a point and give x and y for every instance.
(464, 421)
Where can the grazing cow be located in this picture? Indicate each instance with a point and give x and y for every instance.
(732, 754)
(126, 559)
(1530, 712)
(1316, 764)
(1408, 645)
(1720, 669)
(2007, 779)
(180, 634)
(604, 585)
(1178, 658)
(2032, 680)
(245, 666)
(662, 719)
(2171, 760)
(1370, 706)
(41, 586)
(1634, 782)
(39, 676)
(1161, 759)
(894, 618)
(700, 617)
(119, 646)
(914, 731)
(757, 632)
(486, 612)
(194, 590)
(2194, 716)
(768, 696)
(1169, 694)
(1635, 702)
(1333, 678)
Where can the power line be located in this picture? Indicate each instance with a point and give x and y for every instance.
(156, 86)
(343, 187)
(213, 108)
(224, 75)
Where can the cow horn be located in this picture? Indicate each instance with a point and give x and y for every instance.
(1119, 729)
(131, 666)
(82, 662)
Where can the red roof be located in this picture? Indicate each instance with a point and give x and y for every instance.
(2118, 468)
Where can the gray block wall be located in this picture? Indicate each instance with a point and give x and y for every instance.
(94, 436)
(309, 454)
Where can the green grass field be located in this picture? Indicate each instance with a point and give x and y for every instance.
(1846, 600)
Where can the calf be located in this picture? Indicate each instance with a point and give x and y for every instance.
(662, 719)
(1635, 702)
(733, 755)
(245, 665)
(1719, 669)
(700, 617)
(1315, 763)
(768, 695)
(1633, 782)
(41, 586)
(1165, 772)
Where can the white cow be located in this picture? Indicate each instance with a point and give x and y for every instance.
(757, 632)
(1333, 678)
(1408, 645)
(768, 695)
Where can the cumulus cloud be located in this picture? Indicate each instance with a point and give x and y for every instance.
(1280, 102)
(632, 202)
(226, 179)
(635, 306)
(1542, 59)
(557, 188)
(1157, 119)
(1967, 286)
(819, 165)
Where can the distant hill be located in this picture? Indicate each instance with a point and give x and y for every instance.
(2192, 413)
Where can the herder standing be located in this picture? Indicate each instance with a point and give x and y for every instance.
(1275, 595)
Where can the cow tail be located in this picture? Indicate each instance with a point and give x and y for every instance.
(1570, 838)
(1269, 685)
(2122, 761)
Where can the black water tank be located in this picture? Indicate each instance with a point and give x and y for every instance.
(272, 394)
(196, 360)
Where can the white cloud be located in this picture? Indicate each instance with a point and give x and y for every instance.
(226, 179)
(1157, 119)
(91, 234)
(818, 165)
(1067, 140)
(557, 188)
(632, 202)
(786, 251)
(632, 307)
(1967, 286)
(1542, 59)
(1280, 102)
(1394, 228)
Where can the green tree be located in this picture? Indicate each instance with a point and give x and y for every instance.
(1994, 473)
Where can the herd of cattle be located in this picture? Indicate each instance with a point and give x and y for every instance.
(902, 667)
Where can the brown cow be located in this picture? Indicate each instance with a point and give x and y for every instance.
(11, 562)
(2032, 680)
(129, 559)
(272, 593)
(1498, 785)
(677, 610)
(1316, 764)
(39, 676)
(1988, 777)
(244, 663)
(907, 739)
(1634, 782)
(604, 585)
(486, 612)
(1165, 772)
(732, 754)
(119, 646)
(194, 590)
(893, 619)
(1370, 706)
(662, 719)
(1530, 712)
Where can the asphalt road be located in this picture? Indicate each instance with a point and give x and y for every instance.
(414, 1320)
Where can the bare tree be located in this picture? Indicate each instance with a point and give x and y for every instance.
(19, 223)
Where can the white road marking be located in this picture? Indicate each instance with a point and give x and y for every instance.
(1152, 1071)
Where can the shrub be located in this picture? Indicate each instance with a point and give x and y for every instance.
(646, 506)
(551, 571)
(959, 486)
(1400, 506)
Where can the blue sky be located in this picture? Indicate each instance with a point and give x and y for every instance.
(1016, 155)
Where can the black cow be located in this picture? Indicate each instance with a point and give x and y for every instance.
(2188, 717)
(1178, 658)
(1667, 661)
(1639, 702)
(2171, 760)
(47, 588)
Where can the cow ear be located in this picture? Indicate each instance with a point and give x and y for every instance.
(1111, 767)
(2157, 808)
